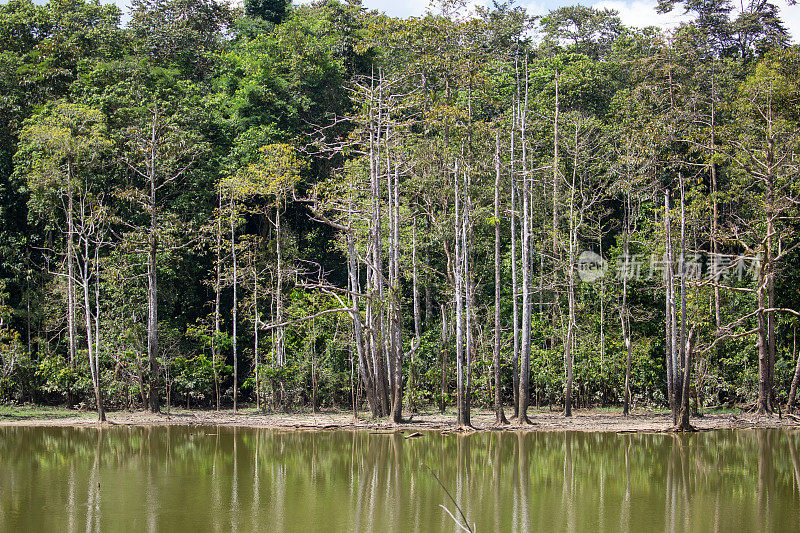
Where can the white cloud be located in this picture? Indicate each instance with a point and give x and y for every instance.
(642, 13)
(638, 13)
(791, 18)
(405, 8)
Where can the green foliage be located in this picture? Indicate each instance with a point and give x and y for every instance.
(589, 31)
(180, 33)
(274, 11)
(60, 380)
(58, 146)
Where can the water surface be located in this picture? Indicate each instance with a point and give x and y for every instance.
(194, 479)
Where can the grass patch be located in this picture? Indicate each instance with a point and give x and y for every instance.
(38, 412)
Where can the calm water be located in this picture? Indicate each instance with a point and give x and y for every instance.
(180, 479)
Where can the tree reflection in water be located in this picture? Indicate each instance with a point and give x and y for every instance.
(221, 479)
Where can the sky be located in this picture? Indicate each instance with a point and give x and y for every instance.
(639, 13)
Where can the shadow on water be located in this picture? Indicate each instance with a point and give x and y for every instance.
(221, 479)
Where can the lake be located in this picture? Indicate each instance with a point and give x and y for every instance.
(194, 479)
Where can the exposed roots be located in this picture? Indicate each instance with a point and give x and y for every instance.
(680, 428)
(523, 420)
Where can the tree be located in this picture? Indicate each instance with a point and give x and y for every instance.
(712, 18)
(157, 151)
(272, 177)
(59, 150)
(590, 31)
(586, 185)
(500, 417)
(766, 143)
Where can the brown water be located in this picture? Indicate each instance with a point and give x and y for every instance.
(190, 479)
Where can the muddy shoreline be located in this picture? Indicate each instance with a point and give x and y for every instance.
(482, 420)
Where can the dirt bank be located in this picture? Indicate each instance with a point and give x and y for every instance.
(543, 420)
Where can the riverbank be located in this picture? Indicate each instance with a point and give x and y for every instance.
(590, 420)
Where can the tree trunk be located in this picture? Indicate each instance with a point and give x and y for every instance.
(770, 286)
(556, 312)
(462, 410)
(71, 267)
(412, 407)
(555, 174)
(514, 288)
(796, 378)
(280, 347)
(443, 357)
(682, 273)
(766, 299)
(676, 362)
(624, 313)
(500, 416)
(668, 309)
(573, 238)
(314, 384)
(684, 424)
(396, 318)
(602, 297)
(152, 281)
(469, 299)
(99, 394)
(714, 203)
(364, 369)
(234, 310)
(377, 326)
(215, 349)
(256, 320)
(764, 388)
(90, 347)
(525, 243)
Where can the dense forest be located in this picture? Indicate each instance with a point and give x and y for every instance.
(323, 206)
